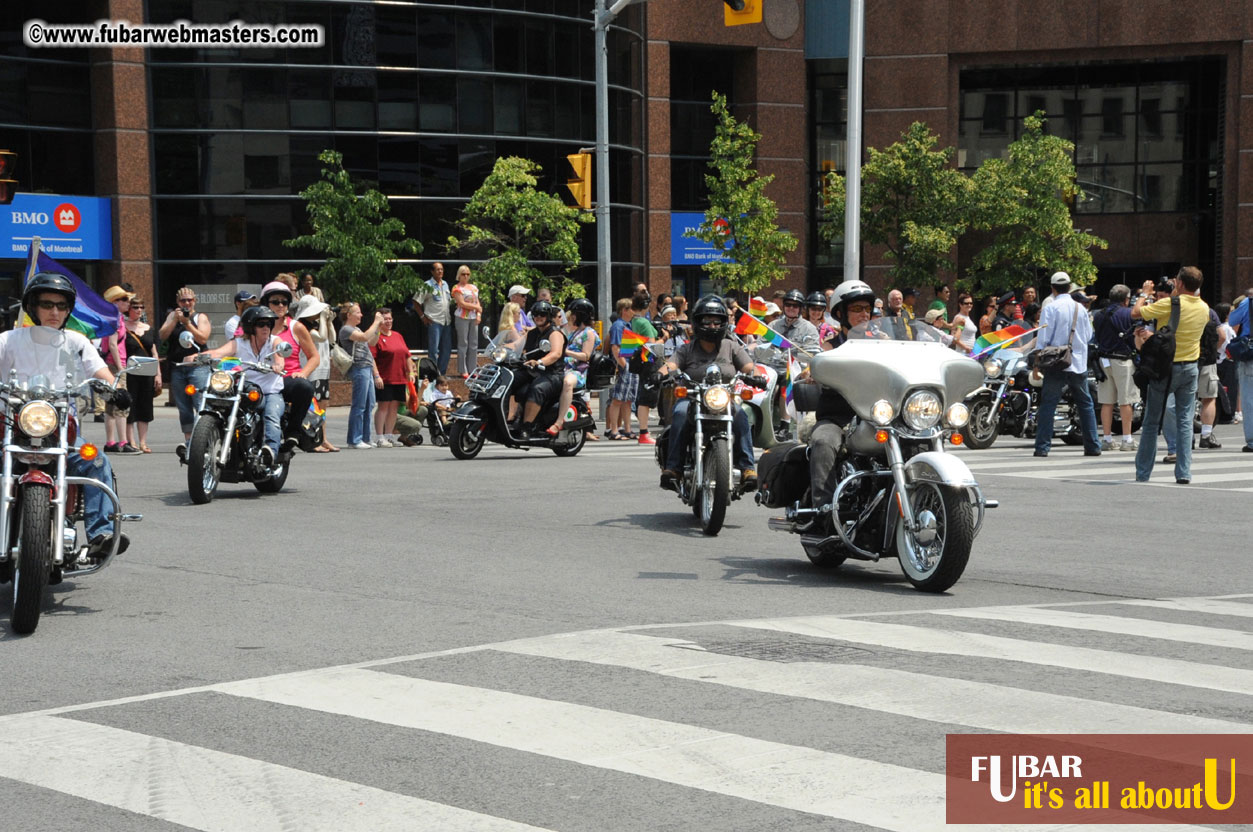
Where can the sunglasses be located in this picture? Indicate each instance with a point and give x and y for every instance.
(265, 324)
(278, 302)
(59, 305)
(137, 306)
(186, 300)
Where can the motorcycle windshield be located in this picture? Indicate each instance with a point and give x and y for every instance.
(878, 362)
(506, 346)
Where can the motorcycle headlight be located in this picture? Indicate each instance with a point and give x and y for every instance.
(37, 419)
(957, 415)
(220, 382)
(717, 398)
(922, 410)
(992, 368)
(499, 354)
(882, 413)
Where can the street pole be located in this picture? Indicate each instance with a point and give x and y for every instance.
(852, 161)
(604, 291)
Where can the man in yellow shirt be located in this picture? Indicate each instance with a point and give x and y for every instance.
(1181, 382)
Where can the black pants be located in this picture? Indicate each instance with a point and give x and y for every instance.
(543, 389)
(298, 393)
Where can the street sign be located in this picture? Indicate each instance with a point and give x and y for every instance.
(69, 227)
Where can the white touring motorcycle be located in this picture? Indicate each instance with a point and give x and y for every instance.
(897, 493)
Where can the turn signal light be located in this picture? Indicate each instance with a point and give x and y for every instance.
(89, 452)
(190, 389)
(956, 438)
(253, 395)
(881, 436)
(680, 392)
(746, 394)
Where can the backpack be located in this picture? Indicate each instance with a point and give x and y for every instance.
(1157, 355)
(1209, 343)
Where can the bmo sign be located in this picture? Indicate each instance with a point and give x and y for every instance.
(69, 227)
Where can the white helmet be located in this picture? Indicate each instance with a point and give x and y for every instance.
(850, 290)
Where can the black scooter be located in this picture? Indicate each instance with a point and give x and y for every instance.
(485, 417)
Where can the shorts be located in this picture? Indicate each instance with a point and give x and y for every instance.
(391, 393)
(649, 392)
(322, 389)
(1118, 386)
(1207, 382)
(626, 387)
(111, 409)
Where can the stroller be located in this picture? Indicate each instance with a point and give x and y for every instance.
(428, 372)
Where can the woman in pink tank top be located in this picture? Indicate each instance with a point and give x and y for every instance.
(297, 389)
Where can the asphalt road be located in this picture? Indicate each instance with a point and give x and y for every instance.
(403, 640)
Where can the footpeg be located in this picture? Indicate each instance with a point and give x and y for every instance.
(991, 503)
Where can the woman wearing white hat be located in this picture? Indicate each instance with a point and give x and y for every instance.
(312, 313)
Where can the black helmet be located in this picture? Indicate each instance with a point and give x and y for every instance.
(817, 299)
(543, 307)
(706, 307)
(48, 282)
(582, 311)
(254, 315)
(792, 296)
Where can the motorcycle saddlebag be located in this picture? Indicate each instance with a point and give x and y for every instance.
(783, 474)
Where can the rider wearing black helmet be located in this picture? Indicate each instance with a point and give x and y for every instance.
(816, 314)
(793, 325)
(545, 385)
(711, 321)
(48, 349)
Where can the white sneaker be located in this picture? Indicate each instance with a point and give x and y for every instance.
(382, 443)
(1129, 445)
(1108, 445)
(363, 446)
(1238, 418)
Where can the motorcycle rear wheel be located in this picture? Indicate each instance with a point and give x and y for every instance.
(976, 433)
(33, 561)
(571, 449)
(203, 469)
(465, 439)
(713, 495)
(936, 566)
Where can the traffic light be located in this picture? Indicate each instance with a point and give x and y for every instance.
(581, 184)
(8, 184)
(739, 12)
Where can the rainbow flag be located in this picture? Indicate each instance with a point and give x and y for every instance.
(631, 343)
(998, 339)
(92, 315)
(229, 363)
(748, 325)
(757, 308)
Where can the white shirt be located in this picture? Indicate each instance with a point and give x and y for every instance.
(1055, 323)
(268, 382)
(52, 353)
(229, 328)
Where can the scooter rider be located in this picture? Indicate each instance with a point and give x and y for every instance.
(545, 386)
(852, 305)
(48, 349)
(259, 345)
(793, 325)
(710, 345)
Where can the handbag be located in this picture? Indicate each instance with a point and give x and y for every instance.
(1058, 358)
(341, 359)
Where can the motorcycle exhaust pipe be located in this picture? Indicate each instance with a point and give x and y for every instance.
(780, 524)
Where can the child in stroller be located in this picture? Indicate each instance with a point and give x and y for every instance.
(439, 402)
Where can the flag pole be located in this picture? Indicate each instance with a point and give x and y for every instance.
(32, 259)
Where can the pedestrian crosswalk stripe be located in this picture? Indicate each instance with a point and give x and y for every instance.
(1213, 606)
(787, 776)
(981, 705)
(1211, 636)
(978, 645)
(201, 788)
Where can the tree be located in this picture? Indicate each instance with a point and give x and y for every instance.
(1024, 201)
(740, 217)
(834, 206)
(515, 226)
(363, 244)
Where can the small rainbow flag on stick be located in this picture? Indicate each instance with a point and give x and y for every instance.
(748, 325)
(631, 343)
(757, 308)
(999, 339)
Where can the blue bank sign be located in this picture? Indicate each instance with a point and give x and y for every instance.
(69, 227)
(689, 251)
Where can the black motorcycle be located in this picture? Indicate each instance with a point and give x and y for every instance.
(485, 417)
(229, 434)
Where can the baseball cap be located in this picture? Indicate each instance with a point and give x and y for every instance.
(517, 290)
(1059, 279)
(908, 292)
(240, 297)
(933, 315)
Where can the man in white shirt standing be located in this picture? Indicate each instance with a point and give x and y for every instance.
(1064, 319)
(50, 350)
(436, 298)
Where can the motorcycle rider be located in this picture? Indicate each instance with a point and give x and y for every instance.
(297, 389)
(816, 311)
(545, 385)
(794, 327)
(711, 322)
(49, 349)
(583, 342)
(852, 305)
(259, 345)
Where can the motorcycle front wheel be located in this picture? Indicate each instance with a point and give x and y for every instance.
(713, 494)
(936, 565)
(465, 439)
(983, 427)
(33, 560)
(275, 482)
(203, 469)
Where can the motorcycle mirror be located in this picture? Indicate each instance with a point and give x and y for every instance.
(187, 341)
(487, 332)
(284, 349)
(544, 345)
(141, 365)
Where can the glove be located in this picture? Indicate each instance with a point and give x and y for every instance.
(122, 399)
(759, 382)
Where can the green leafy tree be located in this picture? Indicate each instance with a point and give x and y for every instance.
(1024, 202)
(513, 226)
(363, 244)
(834, 206)
(740, 216)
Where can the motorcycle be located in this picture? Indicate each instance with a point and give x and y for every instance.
(229, 433)
(41, 505)
(485, 417)
(705, 480)
(1004, 404)
(898, 493)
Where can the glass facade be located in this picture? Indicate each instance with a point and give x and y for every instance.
(828, 125)
(421, 98)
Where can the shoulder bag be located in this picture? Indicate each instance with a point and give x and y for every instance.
(1240, 348)
(1058, 358)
